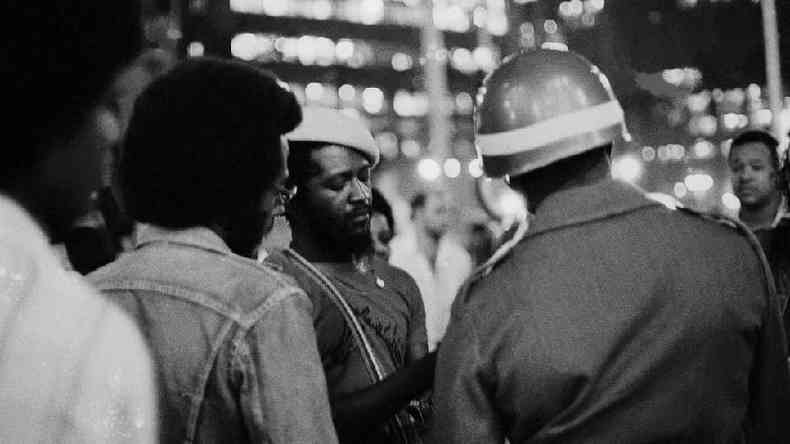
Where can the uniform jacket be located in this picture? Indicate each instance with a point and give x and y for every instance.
(616, 320)
(233, 341)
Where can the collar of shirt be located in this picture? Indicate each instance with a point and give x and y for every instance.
(781, 213)
(583, 204)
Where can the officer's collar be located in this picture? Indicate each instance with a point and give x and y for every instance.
(579, 205)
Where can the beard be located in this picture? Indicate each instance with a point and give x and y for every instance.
(340, 237)
(359, 243)
(245, 233)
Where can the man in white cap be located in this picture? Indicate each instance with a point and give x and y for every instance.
(368, 315)
(615, 319)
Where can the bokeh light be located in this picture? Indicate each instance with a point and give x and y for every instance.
(627, 168)
(429, 169)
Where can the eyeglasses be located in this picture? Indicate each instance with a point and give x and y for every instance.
(285, 194)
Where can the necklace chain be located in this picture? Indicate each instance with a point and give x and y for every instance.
(363, 266)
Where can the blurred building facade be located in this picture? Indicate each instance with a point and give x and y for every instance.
(369, 59)
(690, 74)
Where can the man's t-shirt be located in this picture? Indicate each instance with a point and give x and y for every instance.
(387, 303)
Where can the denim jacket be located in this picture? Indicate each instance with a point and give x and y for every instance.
(232, 340)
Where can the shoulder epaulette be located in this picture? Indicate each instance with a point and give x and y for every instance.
(497, 258)
(744, 231)
(715, 217)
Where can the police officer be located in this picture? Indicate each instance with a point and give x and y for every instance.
(615, 319)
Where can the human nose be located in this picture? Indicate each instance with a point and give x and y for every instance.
(745, 174)
(360, 190)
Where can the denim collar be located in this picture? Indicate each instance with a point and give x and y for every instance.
(199, 237)
(584, 204)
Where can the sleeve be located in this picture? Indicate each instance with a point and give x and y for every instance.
(418, 333)
(770, 380)
(283, 393)
(117, 397)
(463, 405)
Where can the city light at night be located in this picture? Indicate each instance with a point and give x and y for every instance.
(628, 169)
(429, 169)
(367, 58)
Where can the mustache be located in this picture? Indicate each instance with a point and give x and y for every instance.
(360, 210)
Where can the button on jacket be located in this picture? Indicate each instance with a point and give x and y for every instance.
(232, 340)
(616, 320)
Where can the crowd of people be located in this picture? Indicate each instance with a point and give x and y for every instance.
(609, 318)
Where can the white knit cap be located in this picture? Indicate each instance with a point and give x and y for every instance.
(333, 127)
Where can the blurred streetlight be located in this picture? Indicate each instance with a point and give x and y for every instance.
(626, 168)
(429, 169)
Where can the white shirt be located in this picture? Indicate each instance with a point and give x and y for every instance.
(781, 213)
(73, 368)
(438, 284)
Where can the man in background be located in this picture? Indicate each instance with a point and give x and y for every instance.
(97, 237)
(756, 180)
(436, 262)
(73, 368)
(382, 225)
(759, 184)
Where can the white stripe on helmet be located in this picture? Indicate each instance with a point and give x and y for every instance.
(552, 130)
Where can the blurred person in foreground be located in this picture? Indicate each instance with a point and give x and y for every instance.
(203, 171)
(437, 263)
(73, 368)
(368, 315)
(760, 186)
(615, 319)
(97, 237)
(382, 225)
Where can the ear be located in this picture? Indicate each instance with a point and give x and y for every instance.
(293, 210)
(108, 125)
(778, 176)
